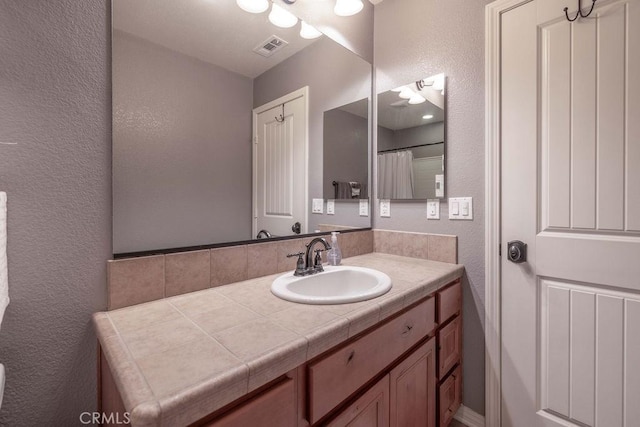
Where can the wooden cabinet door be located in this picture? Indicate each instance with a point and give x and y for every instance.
(413, 389)
(450, 346)
(275, 407)
(370, 410)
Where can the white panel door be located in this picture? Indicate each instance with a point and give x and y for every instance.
(280, 167)
(570, 189)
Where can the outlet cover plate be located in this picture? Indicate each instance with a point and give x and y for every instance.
(385, 208)
(317, 206)
(331, 207)
(433, 209)
(364, 207)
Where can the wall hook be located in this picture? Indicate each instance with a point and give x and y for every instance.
(579, 13)
(281, 118)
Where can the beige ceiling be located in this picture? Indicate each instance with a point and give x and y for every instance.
(215, 31)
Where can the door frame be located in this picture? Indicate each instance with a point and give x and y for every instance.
(492, 238)
(303, 92)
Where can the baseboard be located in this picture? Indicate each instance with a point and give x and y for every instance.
(469, 417)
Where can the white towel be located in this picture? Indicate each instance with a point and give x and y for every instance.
(4, 278)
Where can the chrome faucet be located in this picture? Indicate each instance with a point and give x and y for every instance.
(310, 265)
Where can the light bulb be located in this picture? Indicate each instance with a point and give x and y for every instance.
(438, 82)
(398, 89)
(281, 17)
(253, 6)
(347, 7)
(427, 116)
(406, 93)
(308, 31)
(416, 99)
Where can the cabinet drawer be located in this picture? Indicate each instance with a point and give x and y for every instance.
(449, 346)
(449, 397)
(449, 302)
(275, 407)
(337, 376)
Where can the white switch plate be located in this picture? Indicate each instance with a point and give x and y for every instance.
(433, 209)
(317, 206)
(385, 208)
(364, 207)
(440, 185)
(331, 207)
(460, 207)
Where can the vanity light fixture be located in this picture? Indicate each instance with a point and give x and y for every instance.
(253, 6)
(308, 31)
(416, 98)
(406, 93)
(282, 18)
(427, 116)
(347, 7)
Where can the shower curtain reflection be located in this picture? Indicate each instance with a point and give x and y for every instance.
(395, 175)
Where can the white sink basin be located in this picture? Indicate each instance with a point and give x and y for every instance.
(335, 285)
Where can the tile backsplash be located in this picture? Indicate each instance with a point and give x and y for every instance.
(136, 280)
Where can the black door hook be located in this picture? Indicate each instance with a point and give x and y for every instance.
(579, 13)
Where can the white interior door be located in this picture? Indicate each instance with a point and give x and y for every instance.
(570, 179)
(280, 167)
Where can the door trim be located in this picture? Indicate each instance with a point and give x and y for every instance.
(304, 93)
(492, 318)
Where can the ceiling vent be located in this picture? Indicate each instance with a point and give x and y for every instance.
(270, 46)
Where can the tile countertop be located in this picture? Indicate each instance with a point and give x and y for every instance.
(178, 359)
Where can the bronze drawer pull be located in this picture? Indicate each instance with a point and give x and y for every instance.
(351, 355)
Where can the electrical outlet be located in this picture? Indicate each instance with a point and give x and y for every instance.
(433, 209)
(385, 208)
(331, 207)
(364, 207)
(317, 206)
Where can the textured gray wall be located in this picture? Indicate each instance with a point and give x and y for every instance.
(417, 38)
(181, 149)
(335, 77)
(55, 103)
(345, 149)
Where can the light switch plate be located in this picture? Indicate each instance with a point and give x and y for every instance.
(433, 209)
(385, 208)
(440, 185)
(364, 207)
(317, 206)
(331, 207)
(461, 208)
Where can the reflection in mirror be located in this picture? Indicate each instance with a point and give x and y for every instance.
(187, 77)
(411, 140)
(346, 144)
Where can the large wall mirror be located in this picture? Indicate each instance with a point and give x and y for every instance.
(197, 86)
(411, 140)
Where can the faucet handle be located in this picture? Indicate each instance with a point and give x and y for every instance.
(300, 270)
(317, 261)
(299, 254)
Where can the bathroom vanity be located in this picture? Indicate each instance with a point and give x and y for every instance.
(390, 361)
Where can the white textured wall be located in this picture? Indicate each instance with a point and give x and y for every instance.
(55, 103)
(419, 38)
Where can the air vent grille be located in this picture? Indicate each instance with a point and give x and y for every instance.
(270, 46)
